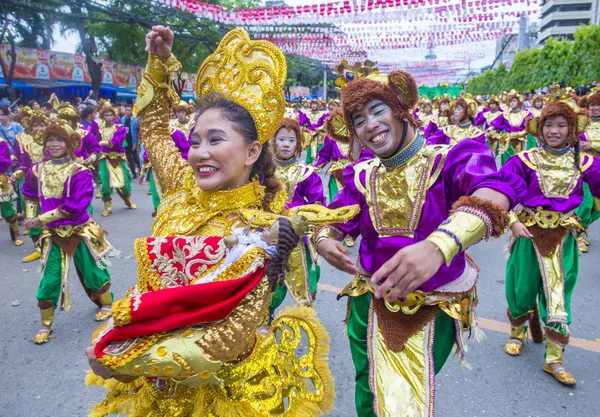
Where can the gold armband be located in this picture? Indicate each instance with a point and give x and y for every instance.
(512, 218)
(465, 227)
(30, 210)
(19, 174)
(50, 216)
(178, 358)
(160, 69)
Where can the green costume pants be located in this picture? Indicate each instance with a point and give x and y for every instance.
(357, 327)
(153, 190)
(314, 274)
(106, 189)
(92, 276)
(531, 142)
(524, 280)
(333, 188)
(586, 211)
(8, 209)
(21, 202)
(309, 156)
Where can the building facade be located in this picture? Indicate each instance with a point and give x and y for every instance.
(560, 18)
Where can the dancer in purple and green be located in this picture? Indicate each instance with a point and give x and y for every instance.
(484, 120)
(422, 207)
(589, 210)
(512, 126)
(114, 173)
(303, 186)
(64, 189)
(461, 114)
(313, 122)
(544, 263)
(336, 154)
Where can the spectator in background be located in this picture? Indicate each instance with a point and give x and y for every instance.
(34, 104)
(131, 138)
(8, 127)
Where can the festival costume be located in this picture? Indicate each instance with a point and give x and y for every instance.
(312, 123)
(589, 210)
(114, 173)
(195, 347)
(398, 347)
(456, 133)
(7, 208)
(546, 267)
(334, 153)
(63, 190)
(303, 186)
(187, 126)
(511, 124)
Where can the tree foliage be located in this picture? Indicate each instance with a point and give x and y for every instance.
(573, 63)
(304, 71)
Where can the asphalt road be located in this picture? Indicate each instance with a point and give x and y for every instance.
(47, 380)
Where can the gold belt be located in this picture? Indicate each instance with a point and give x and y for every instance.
(113, 155)
(459, 306)
(549, 219)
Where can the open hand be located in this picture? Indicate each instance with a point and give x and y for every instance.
(585, 146)
(337, 255)
(159, 41)
(520, 230)
(407, 270)
(98, 369)
(34, 223)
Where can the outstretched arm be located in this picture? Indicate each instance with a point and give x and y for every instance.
(153, 106)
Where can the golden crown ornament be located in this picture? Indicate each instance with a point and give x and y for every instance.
(249, 73)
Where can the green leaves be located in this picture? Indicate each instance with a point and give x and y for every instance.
(573, 62)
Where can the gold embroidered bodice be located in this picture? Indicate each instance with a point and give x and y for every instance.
(107, 134)
(292, 175)
(314, 117)
(556, 174)
(535, 112)
(185, 128)
(396, 196)
(425, 118)
(592, 134)
(515, 118)
(458, 133)
(490, 116)
(54, 177)
(35, 150)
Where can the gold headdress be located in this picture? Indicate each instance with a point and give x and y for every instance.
(69, 113)
(184, 106)
(106, 107)
(249, 73)
(63, 131)
(349, 73)
(577, 121)
(593, 97)
(36, 116)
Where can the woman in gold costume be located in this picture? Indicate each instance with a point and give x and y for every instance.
(174, 347)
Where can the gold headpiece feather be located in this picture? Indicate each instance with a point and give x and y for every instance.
(249, 73)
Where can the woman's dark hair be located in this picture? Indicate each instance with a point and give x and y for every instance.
(32, 102)
(278, 264)
(87, 110)
(264, 168)
(4, 110)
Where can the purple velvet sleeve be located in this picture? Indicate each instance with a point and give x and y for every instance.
(349, 195)
(480, 118)
(312, 189)
(30, 186)
(479, 139)
(329, 152)
(82, 193)
(5, 157)
(302, 118)
(583, 137)
(471, 165)
(118, 139)
(499, 122)
(431, 129)
(438, 138)
(592, 176)
(181, 142)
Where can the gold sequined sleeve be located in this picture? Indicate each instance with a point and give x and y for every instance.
(193, 355)
(156, 98)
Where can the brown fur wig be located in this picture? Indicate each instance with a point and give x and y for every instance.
(398, 90)
(554, 109)
(593, 98)
(290, 124)
(71, 138)
(470, 108)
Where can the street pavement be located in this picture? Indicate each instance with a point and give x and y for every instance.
(48, 380)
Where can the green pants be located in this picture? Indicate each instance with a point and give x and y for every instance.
(531, 142)
(309, 156)
(314, 274)
(586, 211)
(153, 190)
(7, 208)
(524, 280)
(106, 190)
(333, 188)
(91, 275)
(357, 327)
(21, 201)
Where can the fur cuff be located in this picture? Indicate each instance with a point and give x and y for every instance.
(496, 213)
(557, 337)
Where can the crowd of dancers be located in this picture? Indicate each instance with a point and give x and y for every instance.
(240, 221)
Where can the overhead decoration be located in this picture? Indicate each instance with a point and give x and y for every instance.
(379, 30)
